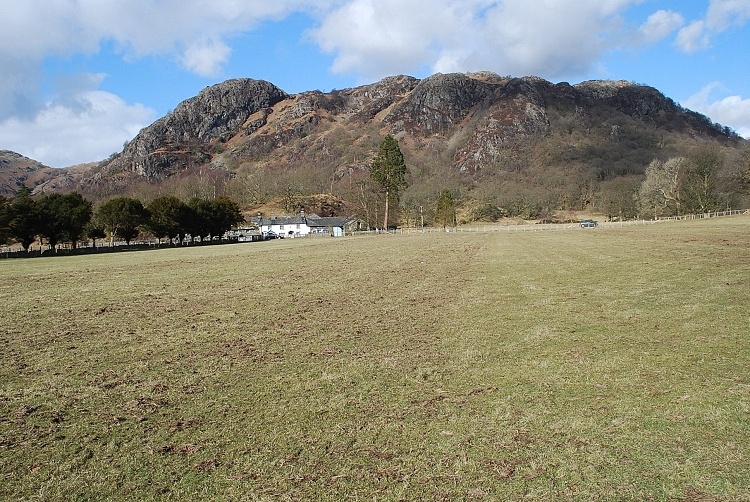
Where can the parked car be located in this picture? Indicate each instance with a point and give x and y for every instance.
(270, 235)
(588, 224)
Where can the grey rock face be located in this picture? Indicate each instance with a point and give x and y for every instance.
(364, 103)
(439, 103)
(185, 133)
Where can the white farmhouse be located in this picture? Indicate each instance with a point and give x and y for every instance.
(302, 225)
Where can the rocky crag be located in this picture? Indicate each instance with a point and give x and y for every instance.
(464, 124)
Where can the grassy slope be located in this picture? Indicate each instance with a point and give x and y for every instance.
(605, 363)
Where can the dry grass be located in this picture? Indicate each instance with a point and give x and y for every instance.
(585, 364)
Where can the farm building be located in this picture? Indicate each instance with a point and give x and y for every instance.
(304, 225)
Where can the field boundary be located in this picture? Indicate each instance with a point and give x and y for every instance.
(536, 227)
(14, 251)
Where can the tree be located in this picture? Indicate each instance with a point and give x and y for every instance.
(122, 217)
(225, 213)
(389, 171)
(445, 213)
(743, 173)
(699, 187)
(661, 190)
(197, 223)
(63, 217)
(167, 217)
(619, 197)
(4, 220)
(366, 196)
(23, 223)
(95, 230)
(213, 217)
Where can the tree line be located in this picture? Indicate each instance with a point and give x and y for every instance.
(70, 218)
(689, 185)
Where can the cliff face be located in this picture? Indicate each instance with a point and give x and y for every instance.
(465, 123)
(185, 135)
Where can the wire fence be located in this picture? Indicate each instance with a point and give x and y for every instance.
(537, 227)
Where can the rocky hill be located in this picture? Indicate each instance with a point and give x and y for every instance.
(17, 170)
(480, 134)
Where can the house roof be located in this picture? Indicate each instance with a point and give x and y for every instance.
(311, 221)
(331, 221)
(284, 220)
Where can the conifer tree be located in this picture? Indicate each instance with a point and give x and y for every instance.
(389, 171)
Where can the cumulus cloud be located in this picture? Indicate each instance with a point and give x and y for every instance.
(65, 133)
(388, 36)
(725, 13)
(205, 57)
(732, 111)
(693, 37)
(191, 31)
(377, 38)
(660, 24)
(720, 16)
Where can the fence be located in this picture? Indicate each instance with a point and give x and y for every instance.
(537, 227)
(86, 247)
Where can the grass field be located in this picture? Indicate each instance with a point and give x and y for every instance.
(607, 364)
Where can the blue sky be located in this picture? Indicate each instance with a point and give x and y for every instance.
(81, 77)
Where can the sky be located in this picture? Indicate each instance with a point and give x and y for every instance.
(79, 78)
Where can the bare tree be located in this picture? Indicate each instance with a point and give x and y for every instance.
(661, 192)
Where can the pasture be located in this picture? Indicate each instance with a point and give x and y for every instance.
(609, 363)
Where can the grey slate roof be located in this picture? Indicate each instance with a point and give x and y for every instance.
(312, 221)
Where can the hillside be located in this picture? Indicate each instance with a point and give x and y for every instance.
(490, 139)
(17, 170)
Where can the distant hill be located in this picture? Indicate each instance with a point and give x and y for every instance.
(17, 170)
(485, 136)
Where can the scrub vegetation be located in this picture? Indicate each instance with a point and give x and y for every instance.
(607, 363)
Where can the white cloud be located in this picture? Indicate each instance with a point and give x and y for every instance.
(693, 37)
(190, 31)
(732, 111)
(378, 38)
(660, 24)
(205, 57)
(62, 135)
(725, 13)
(720, 16)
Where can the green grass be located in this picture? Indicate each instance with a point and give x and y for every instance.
(585, 364)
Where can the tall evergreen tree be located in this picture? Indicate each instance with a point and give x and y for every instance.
(389, 171)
